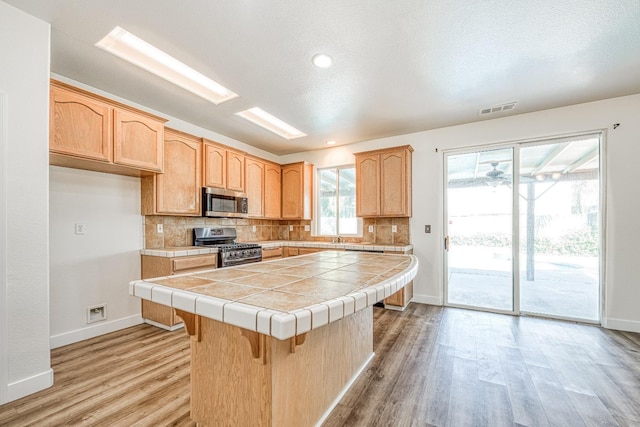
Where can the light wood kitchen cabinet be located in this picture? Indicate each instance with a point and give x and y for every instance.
(271, 253)
(402, 298)
(214, 165)
(155, 266)
(254, 170)
(235, 171)
(91, 132)
(138, 141)
(222, 167)
(272, 191)
(297, 189)
(177, 190)
(383, 182)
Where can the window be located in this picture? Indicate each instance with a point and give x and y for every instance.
(336, 202)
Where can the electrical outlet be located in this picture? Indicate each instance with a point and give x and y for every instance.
(307, 228)
(371, 229)
(79, 229)
(253, 228)
(394, 228)
(427, 229)
(160, 228)
(291, 228)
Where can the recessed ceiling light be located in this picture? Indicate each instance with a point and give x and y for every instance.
(322, 60)
(125, 45)
(271, 123)
(331, 142)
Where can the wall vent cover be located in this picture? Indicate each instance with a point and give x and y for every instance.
(498, 108)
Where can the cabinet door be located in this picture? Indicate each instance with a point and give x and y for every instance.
(79, 126)
(292, 191)
(393, 195)
(178, 188)
(272, 191)
(137, 141)
(367, 185)
(215, 166)
(255, 187)
(235, 171)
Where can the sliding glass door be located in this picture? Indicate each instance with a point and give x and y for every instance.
(560, 228)
(479, 226)
(523, 228)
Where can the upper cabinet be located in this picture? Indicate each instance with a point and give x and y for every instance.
(272, 191)
(263, 186)
(235, 170)
(254, 170)
(177, 190)
(88, 131)
(137, 141)
(222, 167)
(297, 189)
(383, 182)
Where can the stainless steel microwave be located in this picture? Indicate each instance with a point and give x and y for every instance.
(224, 203)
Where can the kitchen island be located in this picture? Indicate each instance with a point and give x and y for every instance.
(278, 343)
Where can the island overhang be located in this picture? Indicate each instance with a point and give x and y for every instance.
(287, 297)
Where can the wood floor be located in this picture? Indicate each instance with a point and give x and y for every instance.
(433, 366)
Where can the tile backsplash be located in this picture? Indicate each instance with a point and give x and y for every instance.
(177, 230)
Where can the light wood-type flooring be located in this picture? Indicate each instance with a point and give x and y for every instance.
(434, 366)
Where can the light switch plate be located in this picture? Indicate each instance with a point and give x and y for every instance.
(394, 228)
(291, 228)
(160, 228)
(371, 229)
(253, 228)
(307, 228)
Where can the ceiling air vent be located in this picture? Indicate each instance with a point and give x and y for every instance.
(498, 108)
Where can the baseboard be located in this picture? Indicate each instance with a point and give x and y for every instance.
(426, 299)
(30, 385)
(622, 325)
(344, 391)
(163, 326)
(95, 330)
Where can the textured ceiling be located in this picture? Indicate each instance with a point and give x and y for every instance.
(399, 66)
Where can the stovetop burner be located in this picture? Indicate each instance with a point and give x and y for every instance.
(236, 246)
(229, 252)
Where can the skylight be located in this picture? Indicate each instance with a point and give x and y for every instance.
(271, 123)
(127, 46)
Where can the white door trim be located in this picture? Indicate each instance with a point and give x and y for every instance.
(4, 329)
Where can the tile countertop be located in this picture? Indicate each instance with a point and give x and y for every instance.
(199, 250)
(284, 297)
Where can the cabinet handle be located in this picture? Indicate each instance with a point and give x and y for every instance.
(446, 243)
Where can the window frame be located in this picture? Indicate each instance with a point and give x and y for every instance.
(316, 217)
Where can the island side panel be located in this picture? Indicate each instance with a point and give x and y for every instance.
(228, 386)
(306, 383)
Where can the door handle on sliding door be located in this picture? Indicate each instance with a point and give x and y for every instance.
(446, 243)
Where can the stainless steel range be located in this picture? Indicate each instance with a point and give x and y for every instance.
(230, 253)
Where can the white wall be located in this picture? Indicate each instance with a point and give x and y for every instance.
(622, 281)
(24, 318)
(94, 268)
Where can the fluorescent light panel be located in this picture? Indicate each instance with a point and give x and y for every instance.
(125, 45)
(271, 123)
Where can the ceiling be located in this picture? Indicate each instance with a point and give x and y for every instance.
(399, 66)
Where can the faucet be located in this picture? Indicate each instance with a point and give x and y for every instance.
(336, 239)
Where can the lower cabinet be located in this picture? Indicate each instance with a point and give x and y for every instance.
(400, 299)
(155, 266)
(271, 253)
